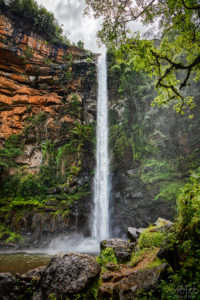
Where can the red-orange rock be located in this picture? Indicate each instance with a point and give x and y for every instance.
(29, 77)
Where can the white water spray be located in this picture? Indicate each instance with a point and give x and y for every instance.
(100, 224)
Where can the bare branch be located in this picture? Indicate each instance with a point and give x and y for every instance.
(186, 79)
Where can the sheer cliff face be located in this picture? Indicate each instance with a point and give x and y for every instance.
(37, 76)
(48, 97)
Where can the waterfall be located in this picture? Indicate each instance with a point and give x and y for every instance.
(100, 222)
(100, 214)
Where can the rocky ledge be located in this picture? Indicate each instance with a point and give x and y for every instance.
(73, 276)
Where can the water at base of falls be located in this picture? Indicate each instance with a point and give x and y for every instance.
(74, 243)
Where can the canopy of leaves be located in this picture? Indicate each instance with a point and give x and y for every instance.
(171, 56)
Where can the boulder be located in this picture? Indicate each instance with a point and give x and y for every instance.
(8, 287)
(132, 234)
(140, 230)
(30, 276)
(141, 280)
(123, 249)
(163, 222)
(37, 272)
(66, 275)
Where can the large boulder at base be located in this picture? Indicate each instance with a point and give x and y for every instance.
(8, 287)
(123, 249)
(141, 280)
(67, 275)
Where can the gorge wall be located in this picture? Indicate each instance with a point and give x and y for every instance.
(47, 114)
(153, 150)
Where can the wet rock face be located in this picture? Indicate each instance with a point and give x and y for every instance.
(133, 234)
(38, 80)
(125, 283)
(127, 288)
(122, 249)
(67, 275)
(33, 74)
(131, 205)
(8, 287)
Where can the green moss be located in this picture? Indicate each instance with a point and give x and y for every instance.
(145, 254)
(9, 236)
(157, 262)
(28, 52)
(189, 205)
(68, 75)
(137, 257)
(106, 256)
(90, 294)
(52, 297)
(60, 169)
(12, 148)
(47, 61)
(150, 238)
(30, 186)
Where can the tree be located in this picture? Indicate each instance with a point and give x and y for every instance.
(172, 56)
(41, 20)
(80, 44)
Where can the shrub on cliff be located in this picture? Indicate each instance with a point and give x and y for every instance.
(39, 17)
(12, 148)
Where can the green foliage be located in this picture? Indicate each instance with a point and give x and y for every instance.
(40, 19)
(47, 175)
(29, 186)
(35, 125)
(163, 175)
(80, 44)
(91, 293)
(46, 61)
(38, 118)
(184, 243)
(75, 105)
(106, 256)
(171, 58)
(157, 262)
(69, 58)
(189, 207)
(11, 149)
(171, 290)
(9, 236)
(137, 256)
(157, 170)
(89, 60)
(150, 238)
(119, 141)
(68, 75)
(9, 185)
(52, 297)
(74, 97)
(28, 52)
(169, 191)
